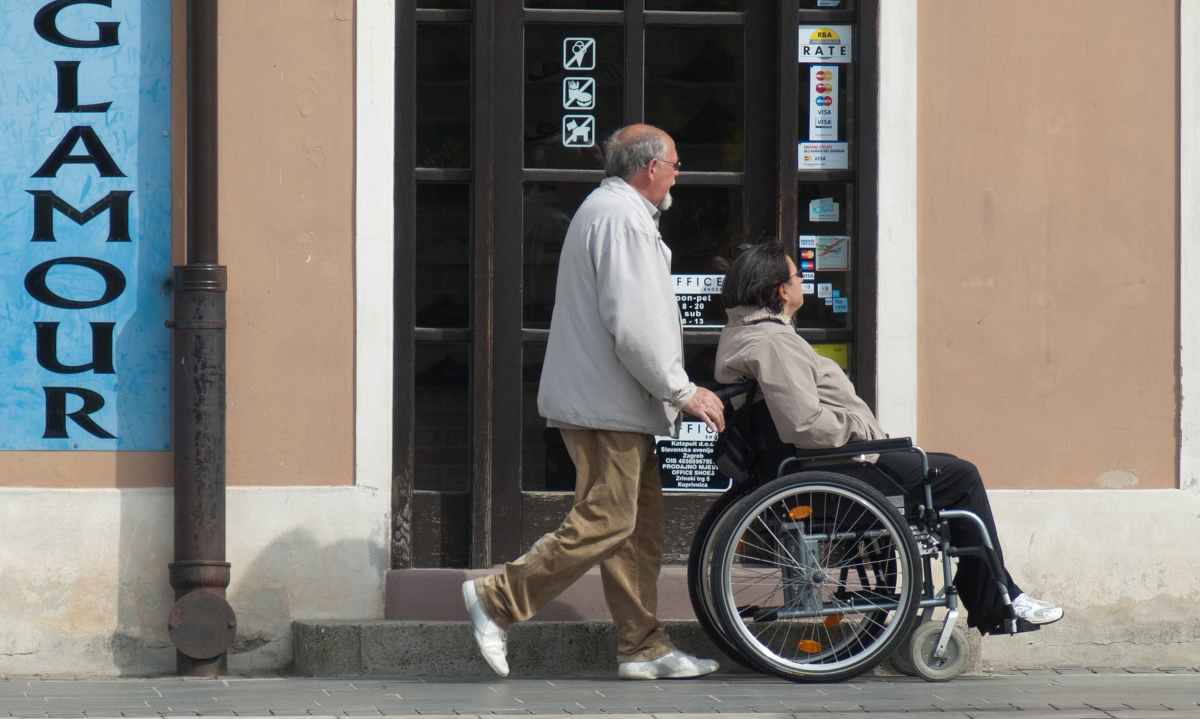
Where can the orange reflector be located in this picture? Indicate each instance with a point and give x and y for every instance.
(832, 621)
(802, 512)
(808, 646)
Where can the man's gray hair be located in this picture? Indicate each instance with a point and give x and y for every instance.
(624, 159)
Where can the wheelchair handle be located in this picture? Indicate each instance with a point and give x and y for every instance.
(726, 392)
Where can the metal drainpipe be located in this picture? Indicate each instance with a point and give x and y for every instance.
(202, 625)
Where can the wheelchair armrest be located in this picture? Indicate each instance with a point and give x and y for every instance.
(852, 449)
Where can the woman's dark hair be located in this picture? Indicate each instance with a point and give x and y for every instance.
(756, 275)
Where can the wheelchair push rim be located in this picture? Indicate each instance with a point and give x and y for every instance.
(817, 578)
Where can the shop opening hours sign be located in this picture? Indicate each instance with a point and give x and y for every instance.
(699, 299)
(686, 462)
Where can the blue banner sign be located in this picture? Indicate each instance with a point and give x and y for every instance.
(85, 224)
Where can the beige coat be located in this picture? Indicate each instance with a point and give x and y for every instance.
(811, 400)
(614, 359)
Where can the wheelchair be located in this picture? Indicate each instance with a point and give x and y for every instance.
(815, 575)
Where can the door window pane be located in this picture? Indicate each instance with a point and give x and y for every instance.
(545, 464)
(576, 4)
(827, 4)
(442, 279)
(825, 254)
(694, 90)
(695, 4)
(442, 426)
(549, 207)
(574, 93)
(444, 4)
(443, 95)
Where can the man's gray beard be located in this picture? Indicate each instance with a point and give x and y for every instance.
(666, 202)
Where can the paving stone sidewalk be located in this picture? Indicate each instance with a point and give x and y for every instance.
(1067, 693)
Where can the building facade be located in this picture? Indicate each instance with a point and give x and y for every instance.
(1004, 258)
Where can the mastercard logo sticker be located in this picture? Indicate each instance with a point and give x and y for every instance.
(823, 88)
(807, 254)
(824, 74)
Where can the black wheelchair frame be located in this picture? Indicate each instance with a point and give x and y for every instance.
(828, 572)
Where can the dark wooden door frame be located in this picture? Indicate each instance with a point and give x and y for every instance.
(503, 518)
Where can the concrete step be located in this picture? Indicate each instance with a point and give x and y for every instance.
(447, 649)
(435, 595)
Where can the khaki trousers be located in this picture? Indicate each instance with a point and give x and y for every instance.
(616, 522)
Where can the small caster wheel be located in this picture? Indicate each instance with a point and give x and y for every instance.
(924, 640)
(901, 657)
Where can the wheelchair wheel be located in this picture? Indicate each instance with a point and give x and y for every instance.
(921, 647)
(901, 657)
(700, 574)
(815, 577)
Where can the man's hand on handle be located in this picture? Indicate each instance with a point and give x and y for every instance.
(706, 406)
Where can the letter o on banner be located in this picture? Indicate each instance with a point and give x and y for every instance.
(35, 283)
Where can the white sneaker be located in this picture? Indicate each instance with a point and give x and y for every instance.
(1035, 611)
(492, 640)
(673, 665)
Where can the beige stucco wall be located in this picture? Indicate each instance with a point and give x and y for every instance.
(286, 201)
(1047, 239)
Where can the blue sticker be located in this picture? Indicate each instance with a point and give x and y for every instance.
(841, 305)
(85, 218)
(837, 292)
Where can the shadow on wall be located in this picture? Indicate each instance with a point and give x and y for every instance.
(294, 576)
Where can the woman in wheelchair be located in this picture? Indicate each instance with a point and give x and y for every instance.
(813, 405)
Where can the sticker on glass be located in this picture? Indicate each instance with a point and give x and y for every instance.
(825, 290)
(823, 209)
(825, 43)
(697, 297)
(808, 241)
(579, 53)
(808, 288)
(578, 131)
(822, 102)
(824, 156)
(579, 93)
(833, 253)
(841, 305)
(808, 275)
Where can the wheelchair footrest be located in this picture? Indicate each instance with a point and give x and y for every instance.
(1022, 627)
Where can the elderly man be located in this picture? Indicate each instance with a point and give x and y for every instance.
(612, 379)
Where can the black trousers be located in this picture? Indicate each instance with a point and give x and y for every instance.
(957, 485)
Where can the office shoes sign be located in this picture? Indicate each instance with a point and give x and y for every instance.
(85, 230)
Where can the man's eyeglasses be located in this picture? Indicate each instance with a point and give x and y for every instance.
(678, 164)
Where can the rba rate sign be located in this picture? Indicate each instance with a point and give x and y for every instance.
(85, 230)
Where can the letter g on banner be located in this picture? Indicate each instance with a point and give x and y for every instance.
(46, 24)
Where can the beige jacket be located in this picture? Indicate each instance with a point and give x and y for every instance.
(811, 400)
(614, 359)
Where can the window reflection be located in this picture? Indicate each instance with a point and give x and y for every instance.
(694, 91)
(695, 4)
(443, 95)
(575, 4)
(703, 226)
(441, 427)
(549, 207)
(545, 464)
(442, 278)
